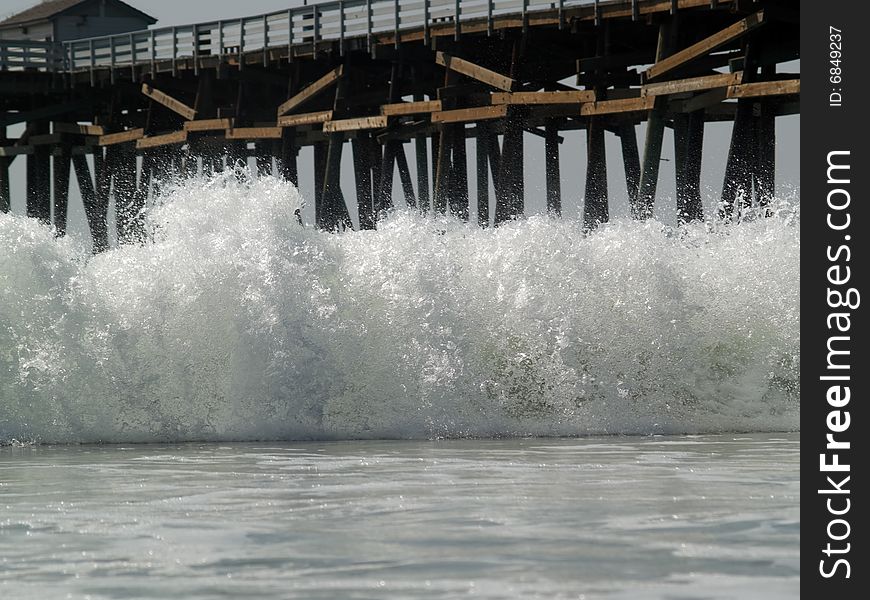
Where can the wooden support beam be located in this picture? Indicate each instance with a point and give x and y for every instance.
(595, 203)
(693, 209)
(630, 160)
(612, 107)
(39, 178)
(167, 139)
(704, 47)
(301, 119)
(42, 113)
(692, 84)
(311, 91)
(443, 167)
(758, 89)
(12, 151)
(128, 208)
(169, 102)
(45, 139)
(356, 124)
(705, 100)
(738, 174)
(510, 189)
(765, 132)
(470, 115)
(362, 173)
(557, 97)
(5, 188)
(482, 74)
(96, 218)
(61, 170)
(458, 199)
(484, 138)
(77, 129)
(551, 164)
(422, 172)
(208, 125)
(681, 137)
(410, 108)
(123, 137)
(254, 133)
(655, 129)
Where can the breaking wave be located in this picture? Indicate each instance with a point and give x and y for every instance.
(236, 323)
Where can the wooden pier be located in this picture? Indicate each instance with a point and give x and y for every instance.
(403, 81)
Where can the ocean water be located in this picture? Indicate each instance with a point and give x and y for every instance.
(243, 407)
(628, 518)
(233, 322)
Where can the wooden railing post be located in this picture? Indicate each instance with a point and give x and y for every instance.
(426, 22)
(341, 27)
(265, 40)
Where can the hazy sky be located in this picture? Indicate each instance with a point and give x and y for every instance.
(572, 150)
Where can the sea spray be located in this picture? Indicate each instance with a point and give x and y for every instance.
(234, 322)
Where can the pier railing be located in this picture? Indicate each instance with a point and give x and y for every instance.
(26, 54)
(334, 21)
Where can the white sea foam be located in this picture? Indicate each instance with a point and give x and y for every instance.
(235, 322)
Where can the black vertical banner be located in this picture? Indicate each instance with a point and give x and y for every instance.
(835, 48)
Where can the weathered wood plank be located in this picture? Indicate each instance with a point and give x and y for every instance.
(77, 129)
(355, 124)
(46, 139)
(705, 46)
(6, 151)
(464, 115)
(167, 139)
(558, 97)
(176, 106)
(765, 88)
(623, 105)
(254, 133)
(208, 125)
(122, 137)
(482, 74)
(692, 84)
(311, 91)
(311, 118)
(705, 100)
(410, 108)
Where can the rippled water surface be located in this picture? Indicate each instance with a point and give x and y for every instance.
(608, 517)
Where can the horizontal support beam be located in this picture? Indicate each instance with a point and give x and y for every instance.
(765, 88)
(312, 90)
(76, 129)
(15, 150)
(208, 125)
(410, 108)
(122, 137)
(470, 115)
(560, 97)
(692, 84)
(254, 133)
(45, 112)
(610, 107)
(705, 46)
(47, 139)
(356, 124)
(167, 139)
(482, 74)
(312, 118)
(169, 102)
